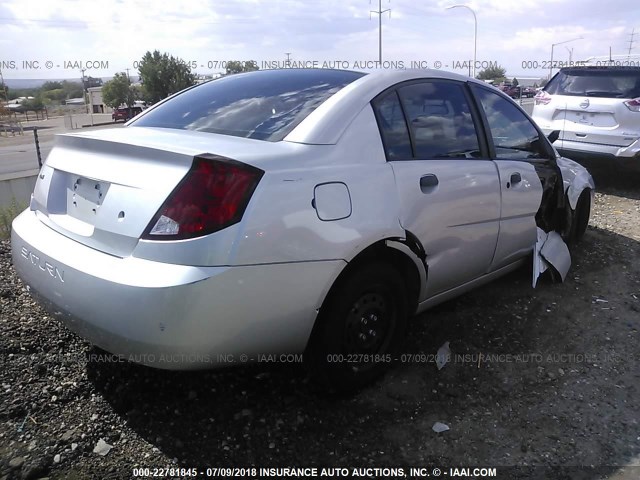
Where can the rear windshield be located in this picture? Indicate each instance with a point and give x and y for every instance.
(265, 105)
(596, 82)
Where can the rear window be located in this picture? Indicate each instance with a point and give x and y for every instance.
(264, 105)
(596, 82)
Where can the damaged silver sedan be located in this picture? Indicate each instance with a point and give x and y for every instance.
(294, 211)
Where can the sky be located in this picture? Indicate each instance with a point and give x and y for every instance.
(56, 39)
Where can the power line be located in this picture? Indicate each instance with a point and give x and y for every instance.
(379, 12)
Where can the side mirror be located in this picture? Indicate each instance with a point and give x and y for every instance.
(553, 136)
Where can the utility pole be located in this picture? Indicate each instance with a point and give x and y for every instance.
(288, 54)
(633, 34)
(4, 87)
(379, 12)
(84, 90)
(553, 45)
(570, 50)
(128, 74)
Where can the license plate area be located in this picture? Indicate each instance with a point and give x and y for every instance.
(85, 196)
(591, 119)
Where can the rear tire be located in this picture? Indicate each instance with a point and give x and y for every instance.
(359, 329)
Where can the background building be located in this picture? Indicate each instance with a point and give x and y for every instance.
(95, 101)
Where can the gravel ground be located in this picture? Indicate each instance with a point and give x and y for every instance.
(538, 378)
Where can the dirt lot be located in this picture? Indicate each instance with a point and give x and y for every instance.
(537, 379)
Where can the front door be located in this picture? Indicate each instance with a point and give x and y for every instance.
(527, 174)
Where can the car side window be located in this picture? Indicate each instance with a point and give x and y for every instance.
(514, 136)
(393, 127)
(440, 120)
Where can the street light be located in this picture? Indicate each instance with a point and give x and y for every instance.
(553, 45)
(475, 33)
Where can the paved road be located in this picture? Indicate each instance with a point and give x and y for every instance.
(17, 158)
(18, 154)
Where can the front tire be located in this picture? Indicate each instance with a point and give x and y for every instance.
(581, 216)
(360, 327)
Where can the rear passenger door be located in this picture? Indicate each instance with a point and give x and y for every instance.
(448, 188)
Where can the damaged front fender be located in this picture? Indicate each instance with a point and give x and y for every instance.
(550, 250)
(575, 179)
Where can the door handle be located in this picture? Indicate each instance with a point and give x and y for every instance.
(514, 180)
(428, 182)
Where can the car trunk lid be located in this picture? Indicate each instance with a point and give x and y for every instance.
(102, 189)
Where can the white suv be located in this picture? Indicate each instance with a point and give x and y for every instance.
(596, 110)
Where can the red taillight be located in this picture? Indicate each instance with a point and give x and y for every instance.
(212, 196)
(633, 105)
(542, 98)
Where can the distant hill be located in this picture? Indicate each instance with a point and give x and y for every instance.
(19, 83)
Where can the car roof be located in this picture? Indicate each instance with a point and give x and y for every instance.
(600, 67)
(325, 124)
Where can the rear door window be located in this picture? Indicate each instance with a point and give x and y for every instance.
(439, 120)
(427, 120)
(393, 127)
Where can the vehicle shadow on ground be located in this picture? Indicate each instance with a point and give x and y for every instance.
(506, 393)
(613, 181)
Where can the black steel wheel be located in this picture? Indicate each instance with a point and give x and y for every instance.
(360, 327)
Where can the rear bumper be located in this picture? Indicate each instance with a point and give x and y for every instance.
(627, 158)
(595, 159)
(631, 152)
(171, 316)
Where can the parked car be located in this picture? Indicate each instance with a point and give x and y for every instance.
(520, 92)
(125, 113)
(288, 211)
(513, 92)
(596, 110)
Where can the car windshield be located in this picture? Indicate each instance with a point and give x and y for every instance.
(596, 82)
(263, 105)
